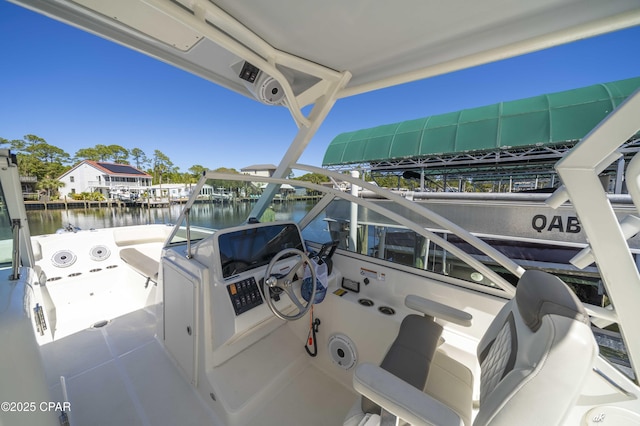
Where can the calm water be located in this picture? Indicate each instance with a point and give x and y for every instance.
(207, 215)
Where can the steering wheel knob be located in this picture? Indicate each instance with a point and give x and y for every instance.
(271, 281)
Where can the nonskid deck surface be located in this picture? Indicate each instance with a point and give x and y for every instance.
(311, 399)
(274, 382)
(83, 301)
(120, 374)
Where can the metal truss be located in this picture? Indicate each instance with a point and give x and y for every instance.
(523, 162)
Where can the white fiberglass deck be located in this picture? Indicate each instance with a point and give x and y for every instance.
(122, 365)
(84, 301)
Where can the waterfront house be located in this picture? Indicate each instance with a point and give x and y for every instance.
(266, 170)
(111, 179)
(28, 185)
(177, 191)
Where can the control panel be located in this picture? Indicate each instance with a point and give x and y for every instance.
(244, 295)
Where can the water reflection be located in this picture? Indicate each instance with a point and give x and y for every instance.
(210, 215)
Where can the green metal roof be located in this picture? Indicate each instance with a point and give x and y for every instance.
(541, 120)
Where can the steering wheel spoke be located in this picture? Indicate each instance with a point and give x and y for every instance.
(292, 273)
(294, 298)
(288, 284)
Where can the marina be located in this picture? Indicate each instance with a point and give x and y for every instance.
(151, 203)
(217, 215)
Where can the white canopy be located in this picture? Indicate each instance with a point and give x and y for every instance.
(305, 45)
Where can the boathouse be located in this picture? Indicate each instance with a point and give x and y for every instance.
(515, 143)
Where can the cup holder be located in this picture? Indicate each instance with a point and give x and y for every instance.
(387, 310)
(365, 302)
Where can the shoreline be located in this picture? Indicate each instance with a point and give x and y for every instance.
(87, 204)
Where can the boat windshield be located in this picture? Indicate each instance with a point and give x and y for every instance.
(398, 232)
(220, 204)
(400, 236)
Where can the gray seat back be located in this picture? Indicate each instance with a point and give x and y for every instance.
(535, 355)
(410, 355)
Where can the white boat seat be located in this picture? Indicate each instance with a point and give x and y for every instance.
(538, 348)
(141, 234)
(411, 354)
(141, 263)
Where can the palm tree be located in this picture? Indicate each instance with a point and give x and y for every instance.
(49, 184)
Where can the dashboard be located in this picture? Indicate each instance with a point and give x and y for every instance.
(248, 248)
(242, 250)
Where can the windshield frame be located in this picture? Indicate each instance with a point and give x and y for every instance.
(494, 254)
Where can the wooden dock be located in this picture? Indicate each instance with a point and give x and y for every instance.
(70, 204)
(85, 204)
(153, 203)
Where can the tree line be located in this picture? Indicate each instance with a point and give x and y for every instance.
(44, 161)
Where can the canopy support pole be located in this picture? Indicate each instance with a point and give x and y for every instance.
(317, 116)
(353, 223)
(579, 173)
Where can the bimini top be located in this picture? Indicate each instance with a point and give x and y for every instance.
(541, 120)
(294, 53)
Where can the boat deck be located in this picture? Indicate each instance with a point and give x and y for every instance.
(123, 360)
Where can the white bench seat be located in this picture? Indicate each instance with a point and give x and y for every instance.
(141, 263)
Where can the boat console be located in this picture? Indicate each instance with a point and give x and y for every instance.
(219, 292)
(223, 298)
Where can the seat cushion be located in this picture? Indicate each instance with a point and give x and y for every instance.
(409, 357)
(141, 263)
(451, 383)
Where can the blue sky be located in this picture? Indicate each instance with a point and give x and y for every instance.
(76, 90)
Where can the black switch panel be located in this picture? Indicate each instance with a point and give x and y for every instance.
(249, 72)
(244, 295)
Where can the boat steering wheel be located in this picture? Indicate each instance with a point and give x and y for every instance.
(287, 282)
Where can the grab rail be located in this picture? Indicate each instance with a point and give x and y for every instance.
(15, 258)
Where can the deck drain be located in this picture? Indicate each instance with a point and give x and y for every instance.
(365, 302)
(99, 324)
(387, 310)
